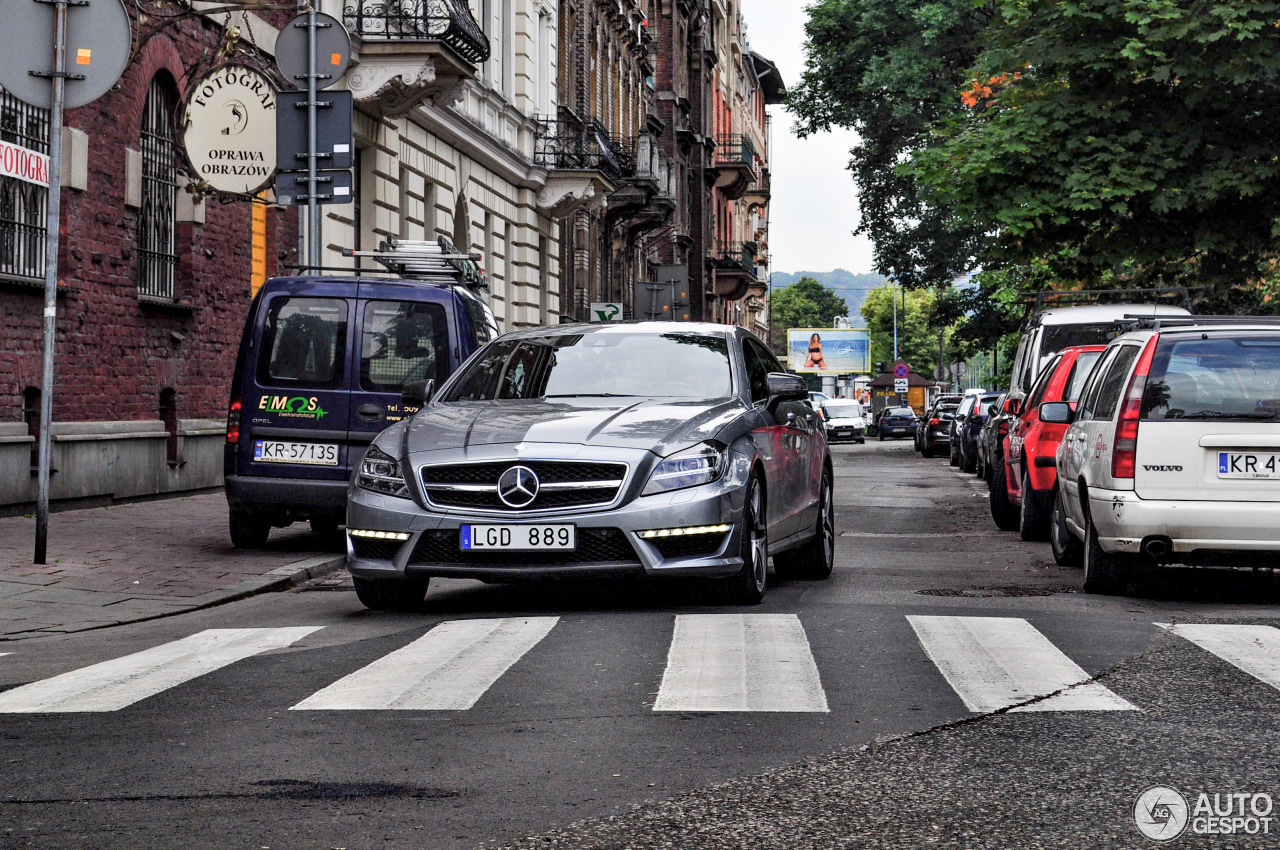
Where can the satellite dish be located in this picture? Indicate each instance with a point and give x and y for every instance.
(99, 39)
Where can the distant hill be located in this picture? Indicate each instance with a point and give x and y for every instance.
(851, 287)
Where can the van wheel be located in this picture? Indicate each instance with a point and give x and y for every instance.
(404, 594)
(1033, 525)
(1002, 510)
(1066, 548)
(249, 531)
(1104, 573)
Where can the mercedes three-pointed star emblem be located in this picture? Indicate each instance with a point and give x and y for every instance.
(518, 487)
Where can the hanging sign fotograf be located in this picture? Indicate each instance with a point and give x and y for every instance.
(23, 164)
(229, 131)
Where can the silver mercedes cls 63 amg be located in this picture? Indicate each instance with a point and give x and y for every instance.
(649, 449)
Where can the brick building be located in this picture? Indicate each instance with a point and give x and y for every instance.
(154, 284)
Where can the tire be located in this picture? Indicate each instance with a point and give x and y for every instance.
(750, 583)
(391, 594)
(815, 559)
(954, 455)
(1066, 548)
(862, 441)
(967, 463)
(927, 451)
(1105, 574)
(1033, 520)
(1002, 510)
(879, 435)
(248, 531)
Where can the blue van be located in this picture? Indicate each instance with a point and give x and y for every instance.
(321, 367)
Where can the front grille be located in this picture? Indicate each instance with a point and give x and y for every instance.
(381, 550)
(572, 476)
(692, 546)
(595, 546)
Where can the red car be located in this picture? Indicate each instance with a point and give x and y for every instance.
(1031, 445)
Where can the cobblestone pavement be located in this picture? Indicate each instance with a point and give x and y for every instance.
(142, 560)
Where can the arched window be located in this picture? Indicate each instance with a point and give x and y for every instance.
(157, 253)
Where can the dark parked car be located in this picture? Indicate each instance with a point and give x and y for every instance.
(992, 434)
(970, 429)
(652, 449)
(929, 414)
(896, 422)
(934, 429)
(953, 434)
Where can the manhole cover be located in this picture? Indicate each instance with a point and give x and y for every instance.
(989, 592)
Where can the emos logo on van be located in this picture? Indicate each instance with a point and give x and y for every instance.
(293, 407)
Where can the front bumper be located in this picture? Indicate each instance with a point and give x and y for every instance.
(846, 434)
(1124, 521)
(718, 503)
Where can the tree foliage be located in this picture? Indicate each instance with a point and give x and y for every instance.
(804, 304)
(917, 336)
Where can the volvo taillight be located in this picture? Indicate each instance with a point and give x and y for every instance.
(1124, 453)
(233, 422)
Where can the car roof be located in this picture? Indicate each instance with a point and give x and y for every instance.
(1087, 314)
(1182, 330)
(707, 328)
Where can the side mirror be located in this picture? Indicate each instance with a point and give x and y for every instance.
(1013, 406)
(417, 393)
(786, 387)
(1056, 413)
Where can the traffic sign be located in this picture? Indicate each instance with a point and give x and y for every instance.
(333, 51)
(98, 42)
(332, 187)
(901, 385)
(333, 130)
(901, 370)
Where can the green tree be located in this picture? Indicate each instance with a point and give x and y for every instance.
(917, 336)
(804, 304)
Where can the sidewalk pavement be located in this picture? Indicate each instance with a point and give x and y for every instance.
(139, 561)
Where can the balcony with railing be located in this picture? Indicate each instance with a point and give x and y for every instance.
(583, 162)
(646, 194)
(411, 51)
(760, 189)
(733, 269)
(735, 163)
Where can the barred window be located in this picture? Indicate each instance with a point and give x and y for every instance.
(157, 254)
(23, 204)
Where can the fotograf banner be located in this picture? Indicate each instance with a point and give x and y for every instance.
(829, 350)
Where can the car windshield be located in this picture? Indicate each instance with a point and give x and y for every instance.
(600, 365)
(843, 411)
(1215, 376)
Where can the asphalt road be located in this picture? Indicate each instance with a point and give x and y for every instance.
(563, 747)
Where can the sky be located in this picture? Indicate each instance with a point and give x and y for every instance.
(814, 210)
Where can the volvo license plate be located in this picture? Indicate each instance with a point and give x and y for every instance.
(519, 538)
(315, 454)
(1263, 465)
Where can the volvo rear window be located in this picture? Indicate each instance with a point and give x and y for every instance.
(1214, 376)
(304, 343)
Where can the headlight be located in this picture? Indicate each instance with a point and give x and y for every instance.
(380, 472)
(693, 467)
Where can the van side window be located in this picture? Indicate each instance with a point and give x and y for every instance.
(483, 322)
(1117, 378)
(402, 342)
(304, 343)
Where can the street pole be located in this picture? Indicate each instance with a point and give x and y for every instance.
(53, 221)
(893, 296)
(313, 206)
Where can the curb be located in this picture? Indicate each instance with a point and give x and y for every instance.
(274, 581)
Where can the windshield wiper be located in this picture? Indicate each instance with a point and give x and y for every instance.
(591, 395)
(1264, 413)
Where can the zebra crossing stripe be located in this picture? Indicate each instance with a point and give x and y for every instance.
(997, 662)
(740, 662)
(447, 669)
(1253, 649)
(114, 684)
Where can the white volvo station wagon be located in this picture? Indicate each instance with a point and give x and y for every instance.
(1173, 452)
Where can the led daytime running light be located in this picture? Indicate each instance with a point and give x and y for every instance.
(378, 535)
(684, 532)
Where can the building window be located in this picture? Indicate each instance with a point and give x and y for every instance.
(157, 253)
(22, 203)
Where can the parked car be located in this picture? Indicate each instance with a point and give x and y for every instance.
(929, 414)
(969, 429)
(653, 449)
(320, 371)
(816, 397)
(896, 422)
(844, 420)
(933, 431)
(1030, 465)
(1173, 455)
(990, 437)
(953, 427)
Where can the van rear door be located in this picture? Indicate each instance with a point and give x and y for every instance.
(406, 334)
(1210, 428)
(295, 401)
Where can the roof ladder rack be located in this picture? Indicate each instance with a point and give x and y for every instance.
(418, 259)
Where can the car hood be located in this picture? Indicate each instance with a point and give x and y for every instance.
(658, 425)
(846, 422)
